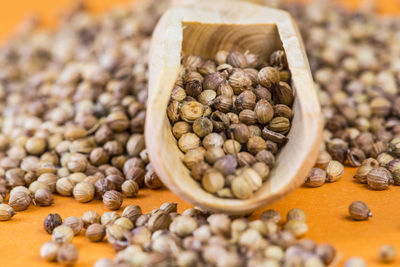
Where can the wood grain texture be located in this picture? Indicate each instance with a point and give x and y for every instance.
(204, 29)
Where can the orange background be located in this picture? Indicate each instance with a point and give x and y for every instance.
(326, 207)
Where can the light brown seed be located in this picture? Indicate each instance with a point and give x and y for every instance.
(212, 181)
(334, 171)
(6, 212)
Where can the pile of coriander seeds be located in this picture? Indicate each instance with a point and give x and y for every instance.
(73, 105)
(230, 116)
(164, 237)
(354, 57)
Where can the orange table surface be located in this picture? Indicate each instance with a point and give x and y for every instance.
(326, 207)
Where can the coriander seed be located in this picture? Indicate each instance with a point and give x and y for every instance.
(52, 221)
(6, 212)
(379, 178)
(323, 160)
(256, 144)
(183, 225)
(274, 252)
(130, 188)
(212, 181)
(264, 111)
(50, 179)
(49, 251)
(241, 132)
(132, 212)
(169, 207)
(35, 146)
(326, 253)
(77, 162)
(64, 186)
(151, 180)
(334, 171)
(112, 199)
(202, 127)
(108, 218)
(359, 211)
(262, 169)
(62, 234)
(188, 141)
(296, 227)
(192, 157)
(143, 219)
(19, 189)
(158, 221)
(220, 224)
(241, 188)
(272, 215)
(20, 201)
(213, 140)
(316, 178)
(226, 164)
(387, 253)
(96, 232)
(125, 223)
(362, 172)
(231, 146)
(90, 217)
(191, 111)
(67, 254)
(296, 214)
(268, 77)
(44, 197)
(83, 192)
(180, 128)
(114, 233)
(75, 223)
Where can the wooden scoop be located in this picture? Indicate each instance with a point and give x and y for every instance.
(203, 29)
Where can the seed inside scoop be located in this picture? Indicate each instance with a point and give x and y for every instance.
(230, 116)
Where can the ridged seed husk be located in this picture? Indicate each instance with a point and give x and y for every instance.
(316, 178)
(379, 178)
(359, 211)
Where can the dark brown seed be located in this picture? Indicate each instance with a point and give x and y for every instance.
(220, 121)
(103, 185)
(51, 222)
(137, 175)
(274, 136)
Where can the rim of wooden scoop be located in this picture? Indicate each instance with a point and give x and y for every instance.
(257, 29)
